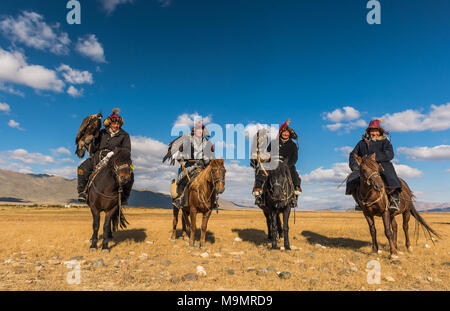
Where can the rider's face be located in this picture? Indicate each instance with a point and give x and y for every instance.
(115, 126)
(285, 134)
(199, 132)
(374, 133)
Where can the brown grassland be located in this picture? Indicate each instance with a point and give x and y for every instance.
(330, 252)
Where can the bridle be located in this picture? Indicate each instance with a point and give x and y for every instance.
(213, 181)
(286, 196)
(372, 185)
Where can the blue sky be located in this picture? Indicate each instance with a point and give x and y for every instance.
(317, 62)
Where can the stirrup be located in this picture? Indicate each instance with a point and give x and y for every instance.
(82, 197)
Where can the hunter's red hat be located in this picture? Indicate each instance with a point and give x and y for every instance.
(376, 124)
(285, 127)
(113, 117)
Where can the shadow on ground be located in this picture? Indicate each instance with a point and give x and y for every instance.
(135, 235)
(316, 238)
(254, 236)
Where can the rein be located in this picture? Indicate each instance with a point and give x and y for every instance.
(371, 184)
(213, 182)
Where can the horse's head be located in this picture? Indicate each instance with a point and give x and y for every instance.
(218, 175)
(122, 165)
(369, 170)
(279, 182)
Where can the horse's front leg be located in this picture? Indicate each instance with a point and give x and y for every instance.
(269, 226)
(95, 227)
(174, 223)
(107, 233)
(387, 230)
(286, 213)
(204, 226)
(185, 223)
(274, 214)
(193, 214)
(373, 231)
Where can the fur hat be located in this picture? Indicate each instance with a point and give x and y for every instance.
(285, 127)
(376, 124)
(114, 117)
(198, 125)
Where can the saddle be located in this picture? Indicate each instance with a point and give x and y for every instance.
(101, 164)
(182, 200)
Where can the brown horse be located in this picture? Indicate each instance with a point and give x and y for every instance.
(373, 199)
(202, 195)
(105, 193)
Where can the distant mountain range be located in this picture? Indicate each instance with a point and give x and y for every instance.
(19, 188)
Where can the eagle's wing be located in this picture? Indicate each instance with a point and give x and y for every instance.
(259, 142)
(174, 148)
(84, 125)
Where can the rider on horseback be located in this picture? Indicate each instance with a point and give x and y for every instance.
(196, 157)
(109, 138)
(287, 150)
(374, 141)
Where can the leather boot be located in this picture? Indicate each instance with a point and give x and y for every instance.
(394, 201)
(82, 181)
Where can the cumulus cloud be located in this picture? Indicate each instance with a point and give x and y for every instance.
(438, 119)
(90, 47)
(74, 92)
(188, 120)
(406, 171)
(336, 174)
(74, 76)
(68, 172)
(345, 151)
(24, 156)
(11, 90)
(437, 153)
(5, 107)
(344, 120)
(15, 125)
(62, 151)
(15, 69)
(30, 29)
(110, 5)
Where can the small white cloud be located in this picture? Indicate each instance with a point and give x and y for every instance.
(110, 5)
(74, 76)
(406, 171)
(336, 174)
(90, 47)
(344, 114)
(61, 150)
(72, 91)
(5, 107)
(345, 151)
(68, 172)
(30, 29)
(24, 156)
(188, 120)
(11, 90)
(437, 153)
(15, 125)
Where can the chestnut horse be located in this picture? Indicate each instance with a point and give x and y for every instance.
(104, 195)
(202, 193)
(373, 199)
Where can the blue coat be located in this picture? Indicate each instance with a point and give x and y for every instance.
(384, 153)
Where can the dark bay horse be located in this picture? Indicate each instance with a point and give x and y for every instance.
(374, 201)
(279, 199)
(105, 194)
(202, 195)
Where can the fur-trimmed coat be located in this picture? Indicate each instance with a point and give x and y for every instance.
(384, 153)
(105, 141)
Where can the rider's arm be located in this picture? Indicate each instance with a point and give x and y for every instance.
(126, 143)
(387, 153)
(351, 161)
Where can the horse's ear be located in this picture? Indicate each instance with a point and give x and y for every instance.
(373, 156)
(357, 158)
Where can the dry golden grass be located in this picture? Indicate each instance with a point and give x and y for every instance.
(36, 242)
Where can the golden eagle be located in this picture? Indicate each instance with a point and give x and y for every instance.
(89, 129)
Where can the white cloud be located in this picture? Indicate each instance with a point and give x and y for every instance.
(406, 171)
(336, 174)
(24, 156)
(252, 128)
(15, 125)
(90, 47)
(345, 119)
(14, 68)
(5, 107)
(438, 119)
(61, 150)
(110, 5)
(188, 120)
(74, 76)
(68, 172)
(74, 92)
(30, 28)
(344, 114)
(11, 90)
(437, 153)
(345, 151)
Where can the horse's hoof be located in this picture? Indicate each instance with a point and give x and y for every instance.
(393, 256)
(276, 248)
(105, 250)
(287, 248)
(378, 251)
(93, 249)
(410, 250)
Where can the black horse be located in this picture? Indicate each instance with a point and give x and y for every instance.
(105, 195)
(279, 198)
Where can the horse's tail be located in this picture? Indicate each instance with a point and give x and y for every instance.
(119, 219)
(416, 214)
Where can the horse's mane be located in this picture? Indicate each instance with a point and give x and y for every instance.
(200, 182)
(281, 168)
(121, 155)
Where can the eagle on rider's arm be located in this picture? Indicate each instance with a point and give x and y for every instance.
(89, 129)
